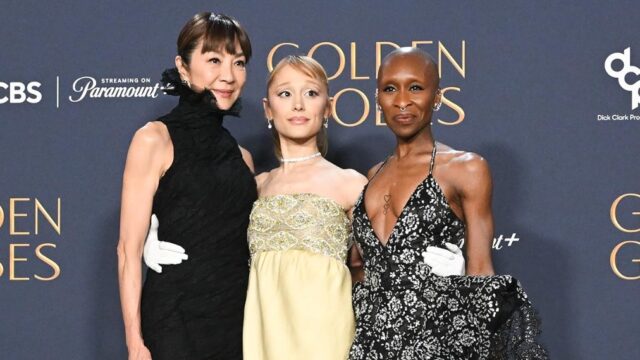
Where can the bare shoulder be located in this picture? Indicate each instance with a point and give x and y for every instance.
(352, 176)
(469, 163)
(350, 184)
(246, 154)
(150, 151)
(262, 178)
(374, 170)
(153, 136)
(460, 161)
(345, 176)
(248, 159)
(353, 182)
(470, 174)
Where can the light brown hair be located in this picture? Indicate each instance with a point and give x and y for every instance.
(314, 70)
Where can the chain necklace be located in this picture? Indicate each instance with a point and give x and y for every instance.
(299, 159)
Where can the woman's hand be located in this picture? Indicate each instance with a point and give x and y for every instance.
(158, 253)
(445, 262)
(139, 352)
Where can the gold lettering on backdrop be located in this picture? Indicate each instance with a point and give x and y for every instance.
(379, 45)
(442, 50)
(13, 215)
(614, 262)
(614, 211)
(365, 110)
(12, 262)
(41, 209)
(456, 59)
(354, 58)
(273, 51)
(48, 261)
(613, 215)
(417, 43)
(17, 271)
(455, 107)
(341, 57)
(460, 68)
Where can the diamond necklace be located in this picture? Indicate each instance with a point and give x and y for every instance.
(299, 159)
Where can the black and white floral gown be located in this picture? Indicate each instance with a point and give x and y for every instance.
(405, 312)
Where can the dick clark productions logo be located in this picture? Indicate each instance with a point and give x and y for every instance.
(627, 68)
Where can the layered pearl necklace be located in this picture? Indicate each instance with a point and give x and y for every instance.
(299, 159)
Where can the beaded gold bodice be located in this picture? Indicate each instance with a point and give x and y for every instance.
(299, 222)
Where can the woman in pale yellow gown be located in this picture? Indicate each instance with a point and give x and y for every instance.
(299, 297)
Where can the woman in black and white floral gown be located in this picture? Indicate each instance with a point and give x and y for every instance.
(403, 311)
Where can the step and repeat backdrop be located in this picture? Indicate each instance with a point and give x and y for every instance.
(548, 93)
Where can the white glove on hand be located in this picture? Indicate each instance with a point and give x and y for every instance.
(161, 252)
(445, 262)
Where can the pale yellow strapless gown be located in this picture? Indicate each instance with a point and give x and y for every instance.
(299, 298)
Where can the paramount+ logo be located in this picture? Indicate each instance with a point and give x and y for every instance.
(626, 71)
(16, 92)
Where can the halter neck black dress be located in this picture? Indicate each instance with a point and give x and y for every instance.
(404, 312)
(195, 310)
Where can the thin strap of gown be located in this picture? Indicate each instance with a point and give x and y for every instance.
(433, 158)
(379, 168)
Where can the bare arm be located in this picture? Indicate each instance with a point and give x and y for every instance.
(355, 183)
(355, 264)
(475, 187)
(261, 180)
(144, 166)
(246, 156)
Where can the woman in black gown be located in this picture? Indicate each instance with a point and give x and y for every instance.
(192, 174)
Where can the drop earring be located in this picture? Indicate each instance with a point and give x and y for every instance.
(326, 123)
(437, 105)
(269, 126)
(379, 108)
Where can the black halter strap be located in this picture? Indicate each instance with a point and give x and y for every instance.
(380, 168)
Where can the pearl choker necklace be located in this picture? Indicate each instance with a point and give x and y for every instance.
(299, 159)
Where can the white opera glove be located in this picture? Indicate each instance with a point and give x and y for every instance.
(445, 262)
(158, 252)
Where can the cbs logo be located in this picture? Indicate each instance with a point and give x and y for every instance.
(17, 92)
